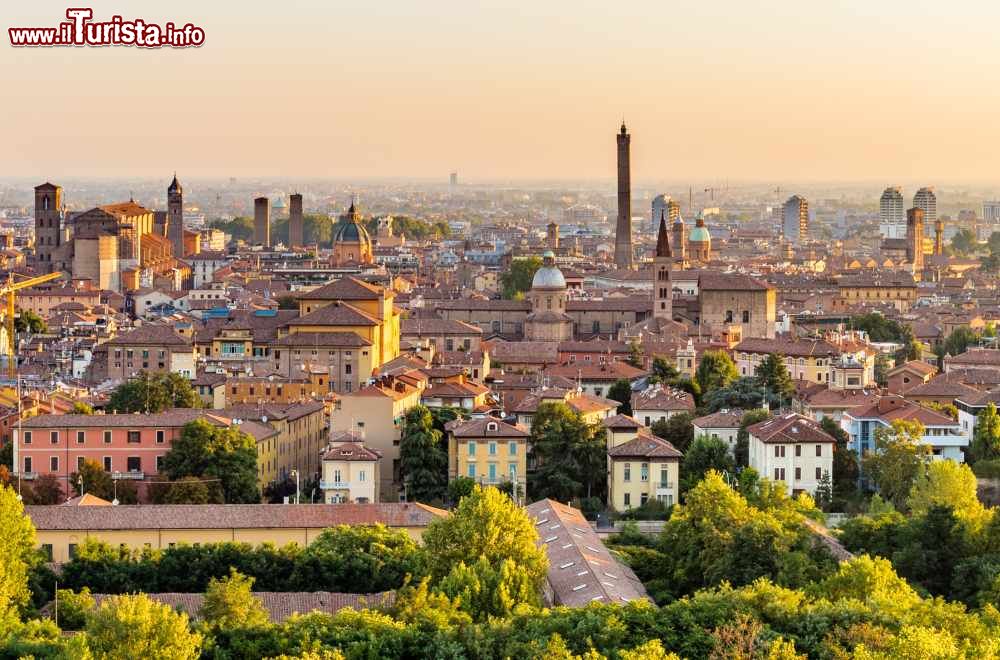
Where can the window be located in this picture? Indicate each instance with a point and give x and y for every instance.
(79, 462)
(628, 473)
(336, 476)
(472, 470)
(779, 474)
(512, 448)
(664, 477)
(27, 437)
(133, 464)
(54, 437)
(472, 448)
(47, 551)
(819, 450)
(628, 499)
(160, 437)
(512, 472)
(819, 474)
(361, 475)
(644, 472)
(27, 463)
(729, 316)
(779, 451)
(642, 499)
(493, 471)
(107, 437)
(134, 437)
(72, 550)
(798, 473)
(493, 449)
(347, 369)
(798, 450)
(54, 464)
(159, 463)
(107, 464)
(746, 316)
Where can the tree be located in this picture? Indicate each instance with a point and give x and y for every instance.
(964, 242)
(703, 455)
(153, 393)
(741, 453)
(359, 559)
(882, 367)
(460, 487)
(946, 483)
(7, 455)
(879, 328)
(845, 461)
(487, 524)
(986, 439)
(423, 461)
(773, 376)
(74, 608)
(743, 393)
(81, 408)
(17, 554)
(518, 278)
(959, 340)
(224, 454)
(824, 492)
(571, 455)
(897, 459)
(677, 429)
(230, 603)
(663, 371)
(187, 490)
(621, 391)
(27, 321)
(715, 370)
(45, 490)
(91, 478)
(635, 354)
(485, 589)
(912, 350)
(130, 627)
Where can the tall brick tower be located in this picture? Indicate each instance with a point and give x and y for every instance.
(295, 235)
(48, 224)
(175, 216)
(663, 262)
(938, 237)
(262, 221)
(623, 229)
(915, 239)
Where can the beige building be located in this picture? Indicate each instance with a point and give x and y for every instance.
(792, 449)
(732, 299)
(153, 348)
(350, 471)
(548, 320)
(488, 450)
(442, 334)
(375, 414)
(641, 466)
(61, 529)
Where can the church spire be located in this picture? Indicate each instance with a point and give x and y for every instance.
(662, 240)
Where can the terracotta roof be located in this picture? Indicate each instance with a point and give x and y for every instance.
(892, 407)
(336, 313)
(151, 335)
(790, 428)
(596, 371)
(345, 288)
(229, 516)
(621, 422)
(975, 357)
(167, 418)
(581, 569)
(942, 387)
(338, 339)
(486, 428)
(789, 347)
(658, 397)
(977, 398)
(916, 366)
(712, 281)
(350, 451)
(645, 445)
(433, 326)
(724, 419)
(124, 209)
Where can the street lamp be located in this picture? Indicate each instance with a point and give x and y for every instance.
(296, 473)
(115, 502)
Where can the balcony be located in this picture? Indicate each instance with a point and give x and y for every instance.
(128, 476)
(334, 485)
(27, 476)
(664, 487)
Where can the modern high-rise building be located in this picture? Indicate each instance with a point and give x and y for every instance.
(991, 212)
(926, 201)
(795, 220)
(666, 206)
(453, 179)
(262, 221)
(623, 228)
(891, 213)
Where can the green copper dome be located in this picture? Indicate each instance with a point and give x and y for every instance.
(699, 235)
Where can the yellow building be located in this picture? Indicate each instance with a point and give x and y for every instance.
(375, 413)
(488, 450)
(641, 466)
(350, 471)
(61, 529)
(809, 360)
(898, 289)
(300, 434)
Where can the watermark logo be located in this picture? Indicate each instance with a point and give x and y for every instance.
(82, 30)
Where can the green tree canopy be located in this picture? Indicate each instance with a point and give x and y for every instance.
(773, 376)
(27, 321)
(17, 555)
(715, 370)
(485, 589)
(621, 391)
(230, 603)
(959, 340)
(986, 439)
(423, 460)
(677, 429)
(153, 393)
(518, 278)
(487, 524)
(897, 459)
(91, 478)
(744, 393)
(964, 242)
(224, 454)
(130, 627)
(946, 483)
(571, 455)
(705, 454)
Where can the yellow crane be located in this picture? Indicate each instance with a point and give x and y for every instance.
(8, 345)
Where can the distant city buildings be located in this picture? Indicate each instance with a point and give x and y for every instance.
(891, 214)
(665, 206)
(926, 201)
(991, 212)
(795, 220)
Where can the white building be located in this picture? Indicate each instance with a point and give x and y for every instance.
(658, 403)
(926, 199)
(723, 425)
(991, 212)
(891, 214)
(792, 449)
(350, 471)
(942, 434)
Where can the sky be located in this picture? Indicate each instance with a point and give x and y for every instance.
(766, 90)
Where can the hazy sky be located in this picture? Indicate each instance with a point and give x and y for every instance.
(879, 90)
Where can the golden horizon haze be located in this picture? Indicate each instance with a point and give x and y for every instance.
(883, 91)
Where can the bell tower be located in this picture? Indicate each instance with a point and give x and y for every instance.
(663, 287)
(48, 224)
(175, 216)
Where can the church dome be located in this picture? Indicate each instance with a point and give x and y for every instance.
(548, 276)
(699, 235)
(348, 230)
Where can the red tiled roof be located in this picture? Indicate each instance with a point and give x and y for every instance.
(790, 428)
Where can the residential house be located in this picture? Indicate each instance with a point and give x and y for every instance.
(658, 403)
(942, 434)
(350, 471)
(488, 450)
(792, 449)
(722, 425)
(641, 466)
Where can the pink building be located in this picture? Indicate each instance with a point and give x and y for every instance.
(129, 446)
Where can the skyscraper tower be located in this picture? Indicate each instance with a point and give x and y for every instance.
(664, 203)
(926, 200)
(623, 228)
(891, 214)
(48, 224)
(295, 231)
(663, 288)
(795, 224)
(915, 239)
(262, 221)
(175, 216)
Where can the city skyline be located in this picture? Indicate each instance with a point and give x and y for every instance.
(717, 92)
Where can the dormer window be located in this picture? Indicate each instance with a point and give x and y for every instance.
(491, 426)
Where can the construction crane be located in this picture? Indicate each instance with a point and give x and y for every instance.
(8, 344)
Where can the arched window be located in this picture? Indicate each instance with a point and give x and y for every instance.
(45, 203)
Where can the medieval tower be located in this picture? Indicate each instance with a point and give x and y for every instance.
(175, 217)
(623, 229)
